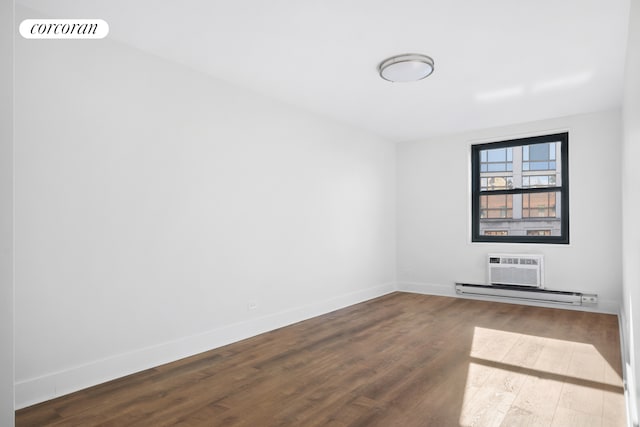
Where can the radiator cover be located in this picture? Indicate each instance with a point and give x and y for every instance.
(523, 293)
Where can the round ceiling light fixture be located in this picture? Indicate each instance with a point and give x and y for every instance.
(408, 67)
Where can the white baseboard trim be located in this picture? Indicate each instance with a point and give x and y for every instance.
(628, 372)
(427, 288)
(603, 306)
(35, 390)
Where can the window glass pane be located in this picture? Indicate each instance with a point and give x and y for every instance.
(496, 160)
(538, 214)
(498, 155)
(496, 233)
(538, 181)
(538, 166)
(496, 183)
(538, 232)
(539, 205)
(496, 206)
(539, 152)
(539, 157)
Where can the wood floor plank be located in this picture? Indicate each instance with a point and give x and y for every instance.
(583, 399)
(399, 360)
(613, 410)
(554, 357)
(571, 418)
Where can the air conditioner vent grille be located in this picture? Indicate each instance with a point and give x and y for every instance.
(526, 277)
(522, 261)
(517, 270)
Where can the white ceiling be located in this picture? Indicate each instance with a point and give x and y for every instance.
(497, 62)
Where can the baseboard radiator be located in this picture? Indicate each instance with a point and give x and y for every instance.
(526, 293)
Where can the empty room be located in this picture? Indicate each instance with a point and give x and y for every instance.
(320, 213)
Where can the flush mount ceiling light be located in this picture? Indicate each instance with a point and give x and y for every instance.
(408, 67)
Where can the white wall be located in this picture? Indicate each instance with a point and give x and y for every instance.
(6, 213)
(154, 205)
(433, 213)
(631, 207)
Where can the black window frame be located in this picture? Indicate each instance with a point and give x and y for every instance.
(563, 189)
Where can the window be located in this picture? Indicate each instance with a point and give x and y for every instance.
(499, 206)
(496, 232)
(538, 232)
(520, 190)
(539, 157)
(538, 181)
(496, 160)
(539, 205)
(496, 182)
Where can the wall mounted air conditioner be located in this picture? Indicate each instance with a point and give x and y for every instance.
(516, 270)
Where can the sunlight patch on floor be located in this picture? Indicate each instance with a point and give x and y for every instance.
(519, 379)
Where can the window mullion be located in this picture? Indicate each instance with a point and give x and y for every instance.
(521, 191)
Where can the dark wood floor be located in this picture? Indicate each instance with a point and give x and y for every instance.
(399, 360)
